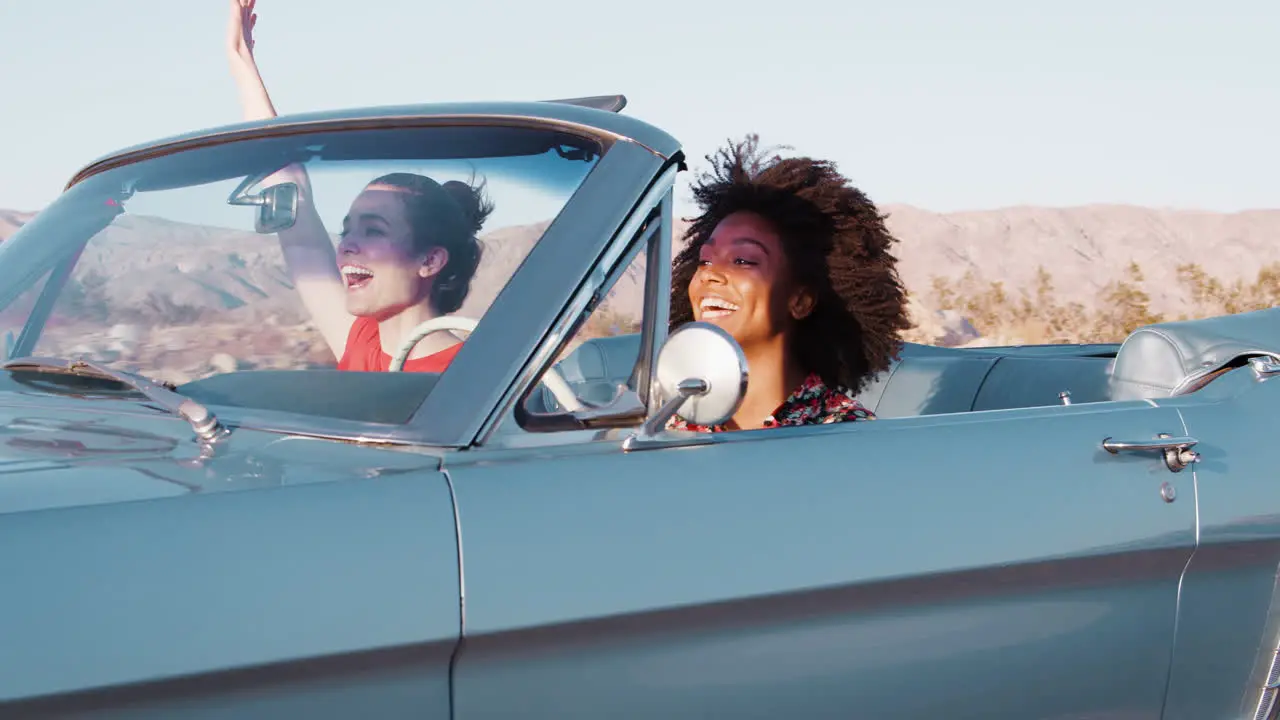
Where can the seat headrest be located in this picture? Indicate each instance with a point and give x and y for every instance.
(1164, 359)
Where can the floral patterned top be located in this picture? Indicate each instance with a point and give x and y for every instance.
(812, 403)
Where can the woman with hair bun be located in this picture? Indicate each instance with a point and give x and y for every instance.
(407, 254)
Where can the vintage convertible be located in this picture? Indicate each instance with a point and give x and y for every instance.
(201, 517)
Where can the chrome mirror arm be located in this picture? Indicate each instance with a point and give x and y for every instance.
(699, 361)
(241, 195)
(688, 388)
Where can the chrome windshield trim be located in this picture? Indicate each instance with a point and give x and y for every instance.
(657, 305)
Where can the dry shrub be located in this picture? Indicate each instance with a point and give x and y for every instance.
(1035, 315)
(608, 322)
(1210, 296)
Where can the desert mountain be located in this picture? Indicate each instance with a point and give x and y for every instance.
(187, 272)
(1084, 248)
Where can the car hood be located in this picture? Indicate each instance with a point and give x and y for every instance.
(57, 451)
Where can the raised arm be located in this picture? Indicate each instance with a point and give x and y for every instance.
(308, 252)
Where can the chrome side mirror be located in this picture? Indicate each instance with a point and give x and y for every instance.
(701, 377)
(277, 205)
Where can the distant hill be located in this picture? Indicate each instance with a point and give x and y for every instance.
(193, 294)
(1083, 247)
(185, 271)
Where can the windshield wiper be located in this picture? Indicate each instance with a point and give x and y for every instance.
(202, 420)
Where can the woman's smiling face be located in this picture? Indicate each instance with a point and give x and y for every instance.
(380, 267)
(743, 282)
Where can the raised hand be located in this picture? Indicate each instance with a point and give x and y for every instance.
(240, 28)
(254, 100)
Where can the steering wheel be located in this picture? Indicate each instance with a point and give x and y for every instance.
(554, 381)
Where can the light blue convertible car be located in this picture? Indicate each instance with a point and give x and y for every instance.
(201, 517)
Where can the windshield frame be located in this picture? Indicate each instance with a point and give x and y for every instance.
(511, 330)
(571, 257)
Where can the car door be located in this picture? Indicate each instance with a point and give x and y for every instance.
(977, 565)
(1225, 659)
(282, 578)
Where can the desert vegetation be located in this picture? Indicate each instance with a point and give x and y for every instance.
(1037, 314)
(146, 294)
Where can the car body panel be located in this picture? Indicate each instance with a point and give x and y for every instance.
(154, 582)
(1229, 624)
(821, 571)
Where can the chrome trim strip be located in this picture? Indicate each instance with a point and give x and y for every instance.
(457, 533)
(599, 275)
(325, 428)
(657, 305)
(1265, 676)
(682, 438)
(1268, 708)
(1260, 364)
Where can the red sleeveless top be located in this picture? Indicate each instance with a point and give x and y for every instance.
(364, 352)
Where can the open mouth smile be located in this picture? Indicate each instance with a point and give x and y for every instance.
(356, 276)
(714, 307)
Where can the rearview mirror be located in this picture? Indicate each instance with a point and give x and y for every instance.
(279, 209)
(701, 377)
(277, 205)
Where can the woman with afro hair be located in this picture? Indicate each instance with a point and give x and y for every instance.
(795, 263)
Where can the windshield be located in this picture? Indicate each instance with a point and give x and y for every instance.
(310, 252)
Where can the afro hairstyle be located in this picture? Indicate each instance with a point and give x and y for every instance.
(837, 246)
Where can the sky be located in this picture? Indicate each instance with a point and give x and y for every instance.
(524, 190)
(941, 104)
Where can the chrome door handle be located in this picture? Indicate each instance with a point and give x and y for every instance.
(1177, 450)
(1164, 442)
(1265, 366)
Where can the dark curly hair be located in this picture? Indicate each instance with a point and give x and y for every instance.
(837, 246)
